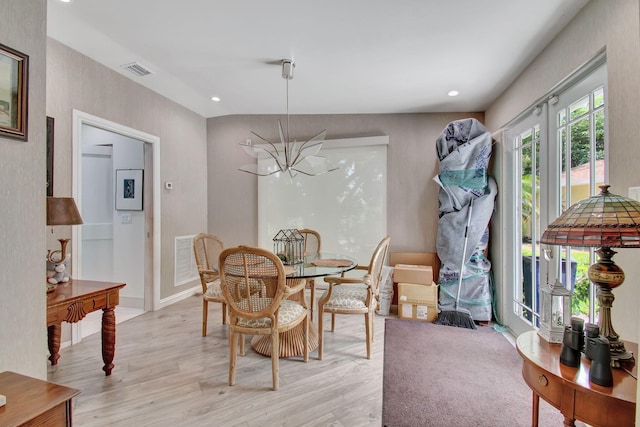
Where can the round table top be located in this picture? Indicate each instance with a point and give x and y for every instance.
(308, 269)
(546, 356)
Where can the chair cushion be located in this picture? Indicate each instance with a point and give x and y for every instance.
(348, 296)
(214, 290)
(289, 311)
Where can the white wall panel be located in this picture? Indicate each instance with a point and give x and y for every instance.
(347, 206)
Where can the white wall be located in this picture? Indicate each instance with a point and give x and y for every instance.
(23, 339)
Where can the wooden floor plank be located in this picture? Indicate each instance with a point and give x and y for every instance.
(167, 374)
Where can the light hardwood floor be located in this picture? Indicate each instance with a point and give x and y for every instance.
(167, 374)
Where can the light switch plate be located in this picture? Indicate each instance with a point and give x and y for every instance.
(125, 218)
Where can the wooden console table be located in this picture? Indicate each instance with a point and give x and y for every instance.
(72, 301)
(570, 390)
(33, 402)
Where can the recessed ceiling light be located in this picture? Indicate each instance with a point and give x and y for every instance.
(453, 93)
(215, 99)
(65, 1)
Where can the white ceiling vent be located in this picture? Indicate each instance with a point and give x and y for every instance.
(137, 69)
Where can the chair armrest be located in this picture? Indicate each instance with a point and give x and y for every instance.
(334, 280)
(208, 275)
(298, 286)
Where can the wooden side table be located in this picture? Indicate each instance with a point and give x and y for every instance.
(72, 301)
(570, 390)
(33, 402)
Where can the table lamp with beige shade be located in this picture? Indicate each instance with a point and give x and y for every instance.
(604, 221)
(61, 211)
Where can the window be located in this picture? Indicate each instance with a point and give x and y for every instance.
(557, 157)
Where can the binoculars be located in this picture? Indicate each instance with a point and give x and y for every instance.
(596, 349)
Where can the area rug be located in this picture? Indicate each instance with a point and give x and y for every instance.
(440, 376)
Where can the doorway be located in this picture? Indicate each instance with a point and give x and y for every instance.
(115, 245)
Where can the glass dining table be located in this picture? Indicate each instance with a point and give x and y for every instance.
(315, 265)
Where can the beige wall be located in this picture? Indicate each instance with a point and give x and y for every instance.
(23, 341)
(614, 26)
(75, 81)
(412, 195)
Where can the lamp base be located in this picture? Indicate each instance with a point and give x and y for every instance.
(58, 256)
(619, 354)
(607, 275)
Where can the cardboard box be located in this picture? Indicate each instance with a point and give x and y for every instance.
(418, 302)
(418, 274)
(413, 258)
(417, 258)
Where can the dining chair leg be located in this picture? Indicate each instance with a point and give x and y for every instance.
(233, 345)
(224, 313)
(306, 338)
(373, 325)
(333, 322)
(275, 356)
(312, 285)
(320, 331)
(205, 311)
(367, 326)
(242, 339)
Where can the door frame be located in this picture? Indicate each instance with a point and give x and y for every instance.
(81, 118)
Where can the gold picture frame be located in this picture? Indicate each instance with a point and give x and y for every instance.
(14, 79)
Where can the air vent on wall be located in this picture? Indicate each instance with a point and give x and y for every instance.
(137, 69)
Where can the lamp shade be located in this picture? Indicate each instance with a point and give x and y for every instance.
(602, 220)
(62, 211)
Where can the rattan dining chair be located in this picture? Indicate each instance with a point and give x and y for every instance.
(354, 295)
(207, 249)
(312, 244)
(256, 289)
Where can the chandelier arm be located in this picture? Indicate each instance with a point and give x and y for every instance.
(300, 151)
(318, 137)
(314, 174)
(257, 173)
(268, 142)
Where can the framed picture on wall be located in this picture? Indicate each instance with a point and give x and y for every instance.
(50, 133)
(129, 189)
(14, 76)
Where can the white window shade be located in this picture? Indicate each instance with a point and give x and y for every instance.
(347, 206)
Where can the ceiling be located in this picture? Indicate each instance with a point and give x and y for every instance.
(352, 56)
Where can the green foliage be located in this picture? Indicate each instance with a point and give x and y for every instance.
(580, 300)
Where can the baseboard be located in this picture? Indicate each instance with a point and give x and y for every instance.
(179, 296)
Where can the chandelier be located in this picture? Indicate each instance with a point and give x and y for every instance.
(288, 156)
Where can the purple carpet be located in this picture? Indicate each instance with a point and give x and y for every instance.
(446, 376)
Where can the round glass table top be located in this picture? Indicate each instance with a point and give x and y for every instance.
(320, 264)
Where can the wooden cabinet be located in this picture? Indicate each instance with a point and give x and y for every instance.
(33, 402)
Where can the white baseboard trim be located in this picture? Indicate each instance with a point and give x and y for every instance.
(164, 302)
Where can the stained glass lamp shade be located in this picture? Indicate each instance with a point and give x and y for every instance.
(604, 221)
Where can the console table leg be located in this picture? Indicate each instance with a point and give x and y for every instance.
(535, 407)
(53, 340)
(108, 338)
